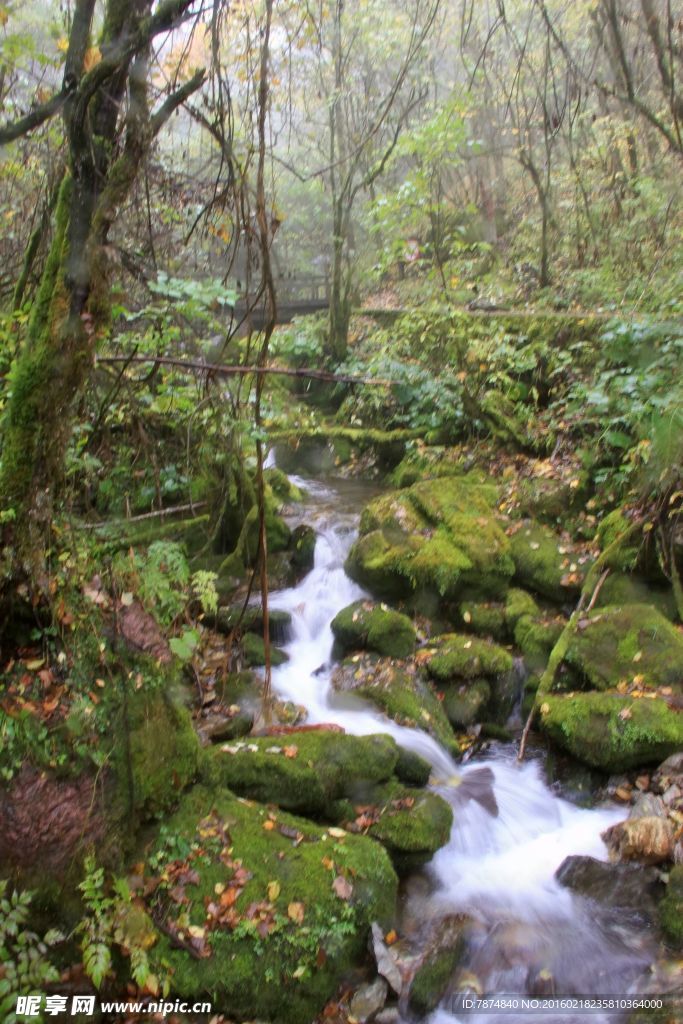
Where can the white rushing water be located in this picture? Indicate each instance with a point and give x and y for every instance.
(498, 869)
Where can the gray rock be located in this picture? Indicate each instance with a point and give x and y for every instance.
(617, 886)
(389, 1015)
(386, 962)
(369, 1000)
(648, 806)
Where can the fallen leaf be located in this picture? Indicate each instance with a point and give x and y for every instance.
(342, 887)
(625, 713)
(269, 825)
(291, 751)
(337, 833)
(273, 891)
(295, 912)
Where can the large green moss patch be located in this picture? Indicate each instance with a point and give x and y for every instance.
(613, 731)
(263, 913)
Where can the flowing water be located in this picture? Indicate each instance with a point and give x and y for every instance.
(498, 868)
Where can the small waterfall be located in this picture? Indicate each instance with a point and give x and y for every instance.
(510, 832)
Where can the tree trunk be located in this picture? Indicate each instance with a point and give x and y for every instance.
(71, 307)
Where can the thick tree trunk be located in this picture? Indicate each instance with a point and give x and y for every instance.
(71, 307)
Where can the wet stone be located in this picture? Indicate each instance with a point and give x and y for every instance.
(369, 1000)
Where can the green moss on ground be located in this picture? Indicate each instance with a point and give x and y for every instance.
(612, 731)
(292, 937)
(302, 546)
(617, 643)
(459, 656)
(306, 771)
(363, 625)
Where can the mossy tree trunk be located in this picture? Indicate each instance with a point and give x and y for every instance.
(109, 130)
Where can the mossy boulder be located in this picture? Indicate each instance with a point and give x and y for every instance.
(281, 486)
(625, 556)
(302, 548)
(464, 704)
(617, 643)
(398, 691)
(441, 535)
(545, 563)
(536, 636)
(623, 588)
(671, 908)
(612, 731)
(364, 625)
(305, 771)
(459, 656)
(276, 910)
(445, 949)
(413, 824)
(550, 499)
(519, 603)
(230, 617)
(254, 651)
(161, 754)
(486, 618)
(411, 768)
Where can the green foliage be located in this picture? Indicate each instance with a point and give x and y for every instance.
(25, 965)
(161, 578)
(204, 589)
(112, 923)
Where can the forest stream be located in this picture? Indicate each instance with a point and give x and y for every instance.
(510, 834)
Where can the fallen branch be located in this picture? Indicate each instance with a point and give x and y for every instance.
(217, 370)
(109, 524)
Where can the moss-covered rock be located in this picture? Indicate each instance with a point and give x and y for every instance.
(544, 562)
(374, 627)
(487, 618)
(441, 535)
(254, 651)
(550, 499)
(230, 617)
(306, 771)
(612, 731)
(157, 751)
(517, 604)
(671, 908)
(465, 703)
(281, 486)
(620, 642)
(399, 692)
(277, 910)
(444, 952)
(458, 656)
(302, 548)
(536, 637)
(411, 768)
(626, 555)
(413, 824)
(622, 588)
